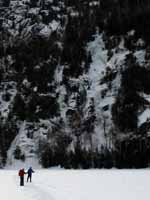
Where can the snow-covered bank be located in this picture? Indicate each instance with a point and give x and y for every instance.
(77, 185)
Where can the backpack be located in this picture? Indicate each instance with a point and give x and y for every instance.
(20, 172)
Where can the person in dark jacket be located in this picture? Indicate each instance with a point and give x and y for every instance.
(29, 172)
(21, 174)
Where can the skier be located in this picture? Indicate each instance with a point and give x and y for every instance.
(21, 174)
(29, 172)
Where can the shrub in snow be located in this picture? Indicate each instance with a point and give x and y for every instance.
(18, 154)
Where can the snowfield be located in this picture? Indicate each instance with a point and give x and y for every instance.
(54, 184)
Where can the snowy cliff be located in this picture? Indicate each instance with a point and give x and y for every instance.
(74, 83)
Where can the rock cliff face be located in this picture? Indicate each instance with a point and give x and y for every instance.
(74, 83)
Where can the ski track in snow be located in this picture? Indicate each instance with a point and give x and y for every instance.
(77, 185)
(37, 191)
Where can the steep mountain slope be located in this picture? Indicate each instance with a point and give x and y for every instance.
(74, 83)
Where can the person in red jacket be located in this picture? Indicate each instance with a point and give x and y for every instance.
(21, 174)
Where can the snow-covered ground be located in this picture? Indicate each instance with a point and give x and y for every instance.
(59, 184)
